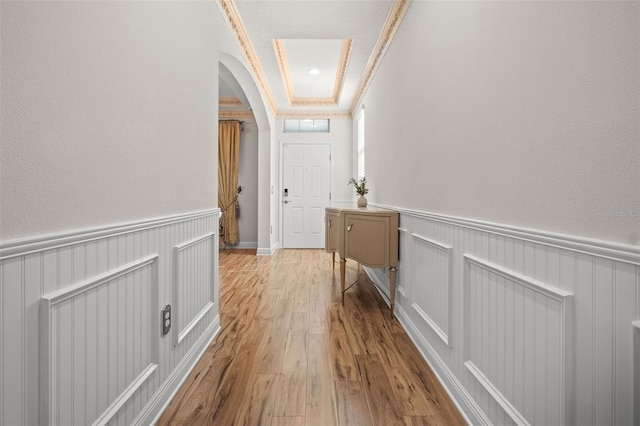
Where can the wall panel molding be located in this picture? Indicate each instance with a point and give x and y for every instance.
(537, 286)
(125, 396)
(57, 297)
(497, 395)
(194, 289)
(540, 315)
(432, 285)
(57, 305)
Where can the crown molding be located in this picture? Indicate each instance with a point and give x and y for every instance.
(342, 68)
(313, 102)
(230, 12)
(394, 18)
(313, 114)
(283, 65)
(234, 114)
(229, 101)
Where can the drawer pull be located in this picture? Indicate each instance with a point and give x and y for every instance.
(329, 223)
(349, 227)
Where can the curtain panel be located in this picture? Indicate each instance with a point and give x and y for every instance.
(228, 160)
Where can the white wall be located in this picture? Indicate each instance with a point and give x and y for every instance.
(522, 113)
(106, 113)
(248, 179)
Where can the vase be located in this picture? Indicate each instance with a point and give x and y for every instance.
(362, 201)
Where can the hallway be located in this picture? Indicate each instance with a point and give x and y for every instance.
(290, 354)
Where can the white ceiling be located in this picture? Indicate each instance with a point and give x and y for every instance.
(343, 39)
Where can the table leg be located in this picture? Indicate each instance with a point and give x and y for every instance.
(392, 287)
(343, 266)
(333, 260)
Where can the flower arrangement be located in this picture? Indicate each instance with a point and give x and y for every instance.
(360, 185)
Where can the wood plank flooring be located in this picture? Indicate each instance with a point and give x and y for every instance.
(289, 353)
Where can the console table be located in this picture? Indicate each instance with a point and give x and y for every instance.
(367, 235)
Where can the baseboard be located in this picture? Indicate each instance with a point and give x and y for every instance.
(243, 245)
(268, 251)
(168, 390)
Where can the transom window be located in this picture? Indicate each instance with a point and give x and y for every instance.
(306, 125)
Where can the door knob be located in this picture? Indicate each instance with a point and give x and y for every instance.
(286, 201)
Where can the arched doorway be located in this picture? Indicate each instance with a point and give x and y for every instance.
(232, 67)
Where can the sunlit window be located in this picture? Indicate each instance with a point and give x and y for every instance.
(360, 130)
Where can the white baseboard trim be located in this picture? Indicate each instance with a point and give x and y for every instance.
(168, 390)
(268, 251)
(243, 245)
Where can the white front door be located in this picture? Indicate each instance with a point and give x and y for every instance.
(306, 187)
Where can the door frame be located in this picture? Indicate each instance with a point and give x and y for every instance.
(281, 178)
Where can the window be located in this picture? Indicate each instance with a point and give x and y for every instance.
(294, 125)
(360, 136)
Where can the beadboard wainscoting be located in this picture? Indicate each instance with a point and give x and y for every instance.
(81, 332)
(521, 326)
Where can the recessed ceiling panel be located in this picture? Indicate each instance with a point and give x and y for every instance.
(299, 57)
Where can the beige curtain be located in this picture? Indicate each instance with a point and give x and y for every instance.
(228, 158)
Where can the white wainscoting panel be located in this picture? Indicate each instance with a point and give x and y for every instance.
(80, 337)
(521, 363)
(538, 325)
(194, 284)
(432, 284)
(80, 326)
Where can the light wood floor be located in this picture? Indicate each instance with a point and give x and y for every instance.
(290, 354)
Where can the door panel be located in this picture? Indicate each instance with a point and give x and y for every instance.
(307, 180)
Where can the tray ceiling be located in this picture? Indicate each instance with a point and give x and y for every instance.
(340, 41)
